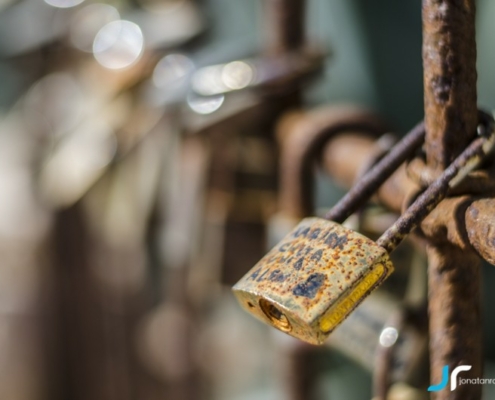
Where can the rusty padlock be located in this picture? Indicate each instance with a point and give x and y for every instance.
(315, 277)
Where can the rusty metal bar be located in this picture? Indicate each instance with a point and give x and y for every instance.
(455, 326)
(449, 57)
(338, 162)
(285, 29)
(479, 225)
(285, 19)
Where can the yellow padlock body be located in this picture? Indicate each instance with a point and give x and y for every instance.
(313, 279)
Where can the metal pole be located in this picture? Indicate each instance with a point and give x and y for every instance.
(449, 61)
(285, 20)
(449, 56)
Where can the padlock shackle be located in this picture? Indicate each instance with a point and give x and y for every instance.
(362, 191)
(466, 162)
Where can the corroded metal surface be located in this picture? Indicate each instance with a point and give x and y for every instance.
(424, 173)
(464, 222)
(478, 182)
(449, 230)
(480, 227)
(309, 282)
(468, 160)
(454, 308)
(474, 218)
(449, 58)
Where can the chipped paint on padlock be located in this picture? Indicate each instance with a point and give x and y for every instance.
(311, 281)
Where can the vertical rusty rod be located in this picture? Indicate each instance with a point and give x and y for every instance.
(449, 57)
(285, 21)
(285, 33)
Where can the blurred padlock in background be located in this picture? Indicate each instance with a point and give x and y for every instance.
(152, 151)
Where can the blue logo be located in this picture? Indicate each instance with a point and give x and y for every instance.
(445, 378)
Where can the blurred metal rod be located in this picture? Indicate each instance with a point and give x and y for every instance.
(285, 20)
(302, 137)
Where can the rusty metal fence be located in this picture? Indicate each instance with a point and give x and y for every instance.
(140, 185)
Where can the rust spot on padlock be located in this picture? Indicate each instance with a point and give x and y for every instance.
(311, 281)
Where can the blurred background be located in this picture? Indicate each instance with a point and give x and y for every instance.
(140, 178)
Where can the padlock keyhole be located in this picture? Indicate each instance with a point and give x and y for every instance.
(277, 317)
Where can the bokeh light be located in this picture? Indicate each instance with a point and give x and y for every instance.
(205, 104)
(389, 336)
(223, 78)
(118, 45)
(64, 3)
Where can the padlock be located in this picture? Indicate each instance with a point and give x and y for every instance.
(308, 272)
(301, 137)
(321, 271)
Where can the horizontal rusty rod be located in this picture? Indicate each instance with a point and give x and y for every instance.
(370, 182)
(338, 161)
